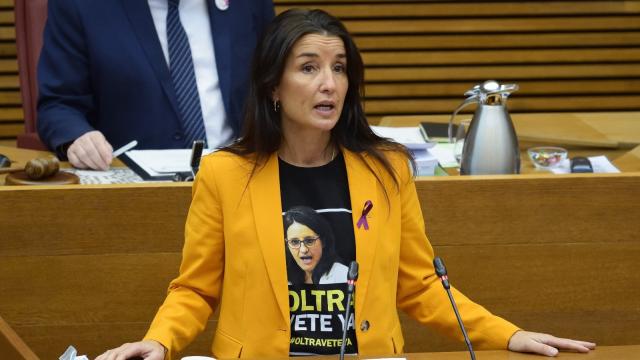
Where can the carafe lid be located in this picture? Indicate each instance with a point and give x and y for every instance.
(491, 92)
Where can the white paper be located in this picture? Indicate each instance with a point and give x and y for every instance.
(600, 164)
(444, 153)
(425, 162)
(164, 162)
(410, 137)
(111, 176)
(72, 354)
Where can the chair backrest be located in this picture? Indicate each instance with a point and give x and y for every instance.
(30, 18)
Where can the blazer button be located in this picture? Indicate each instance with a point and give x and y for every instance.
(177, 136)
(364, 325)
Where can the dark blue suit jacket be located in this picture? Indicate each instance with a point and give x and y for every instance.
(102, 68)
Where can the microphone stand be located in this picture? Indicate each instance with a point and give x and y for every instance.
(441, 271)
(347, 313)
(352, 276)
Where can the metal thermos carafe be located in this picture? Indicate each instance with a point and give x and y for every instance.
(490, 145)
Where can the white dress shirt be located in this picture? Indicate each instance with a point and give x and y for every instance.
(198, 29)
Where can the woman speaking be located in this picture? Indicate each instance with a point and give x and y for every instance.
(306, 142)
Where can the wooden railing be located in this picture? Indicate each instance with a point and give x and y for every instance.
(11, 345)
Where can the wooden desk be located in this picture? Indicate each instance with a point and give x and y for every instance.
(606, 130)
(89, 265)
(630, 352)
(629, 161)
(583, 134)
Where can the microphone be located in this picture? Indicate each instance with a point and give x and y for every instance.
(441, 271)
(352, 276)
(196, 156)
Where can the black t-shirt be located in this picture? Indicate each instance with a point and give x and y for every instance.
(320, 245)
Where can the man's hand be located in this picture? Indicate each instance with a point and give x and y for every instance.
(90, 151)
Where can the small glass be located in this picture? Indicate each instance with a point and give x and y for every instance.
(458, 140)
(547, 157)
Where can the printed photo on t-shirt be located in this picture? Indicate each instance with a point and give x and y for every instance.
(317, 285)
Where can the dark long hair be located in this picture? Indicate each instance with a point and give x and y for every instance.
(314, 221)
(262, 130)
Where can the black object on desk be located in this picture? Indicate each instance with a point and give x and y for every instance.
(4, 161)
(196, 156)
(131, 164)
(438, 132)
(580, 164)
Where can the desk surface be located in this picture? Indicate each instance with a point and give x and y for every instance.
(601, 353)
(583, 134)
(626, 161)
(608, 130)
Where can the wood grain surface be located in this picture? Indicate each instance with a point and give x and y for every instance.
(619, 130)
(89, 265)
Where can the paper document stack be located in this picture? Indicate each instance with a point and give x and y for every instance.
(426, 163)
(412, 138)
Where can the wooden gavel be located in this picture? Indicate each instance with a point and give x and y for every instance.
(38, 168)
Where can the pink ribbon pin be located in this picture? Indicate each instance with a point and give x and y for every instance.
(222, 4)
(368, 205)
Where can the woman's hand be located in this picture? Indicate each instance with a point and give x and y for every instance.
(544, 344)
(146, 349)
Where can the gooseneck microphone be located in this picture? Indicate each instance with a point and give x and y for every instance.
(441, 271)
(352, 276)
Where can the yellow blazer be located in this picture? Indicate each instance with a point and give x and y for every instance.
(234, 257)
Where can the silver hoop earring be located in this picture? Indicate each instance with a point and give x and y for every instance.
(276, 105)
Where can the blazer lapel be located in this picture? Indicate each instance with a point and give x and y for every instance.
(363, 188)
(267, 208)
(221, 22)
(142, 24)
(264, 188)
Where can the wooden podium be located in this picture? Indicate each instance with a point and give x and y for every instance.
(88, 265)
(601, 353)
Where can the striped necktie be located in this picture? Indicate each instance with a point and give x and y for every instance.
(184, 78)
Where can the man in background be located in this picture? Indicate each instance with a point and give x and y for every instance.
(162, 72)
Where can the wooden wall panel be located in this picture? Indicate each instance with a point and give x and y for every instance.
(11, 117)
(412, 45)
(455, 44)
